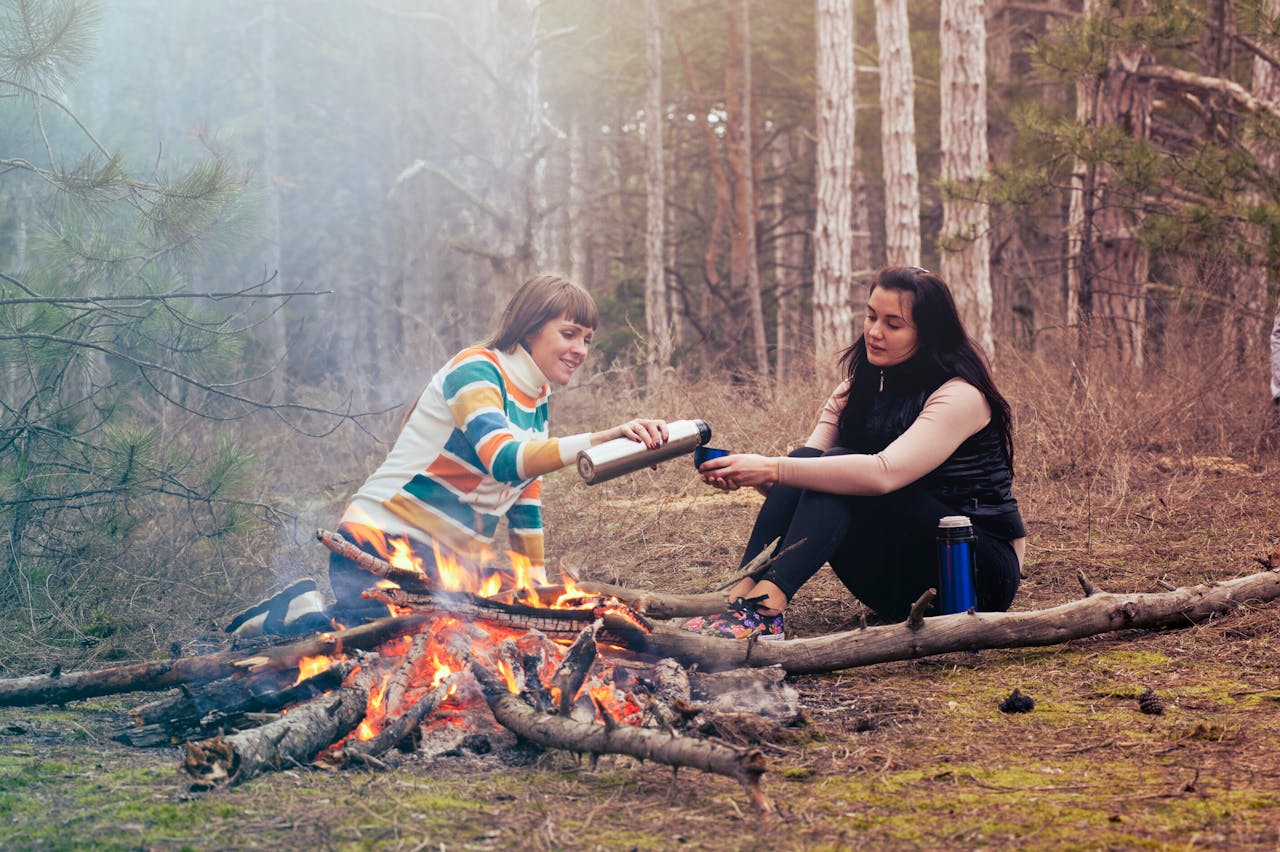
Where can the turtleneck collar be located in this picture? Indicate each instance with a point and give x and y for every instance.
(525, 372)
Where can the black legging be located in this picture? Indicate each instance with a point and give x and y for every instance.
(882, 548)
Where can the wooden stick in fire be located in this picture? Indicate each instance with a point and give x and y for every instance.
(378, 567)
(746, 766)
(397, 729)
(294, 739)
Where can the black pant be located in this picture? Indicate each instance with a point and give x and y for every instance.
(882, 548)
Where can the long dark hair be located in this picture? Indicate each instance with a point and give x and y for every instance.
(944, 349)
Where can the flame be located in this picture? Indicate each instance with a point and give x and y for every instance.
(491, 586)
(442, 671)
(509, 676)
(312, 666)
(374, 712)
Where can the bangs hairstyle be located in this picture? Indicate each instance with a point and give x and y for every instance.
(538, 301)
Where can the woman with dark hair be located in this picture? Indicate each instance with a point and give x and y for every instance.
(915, 432)
(470, 454)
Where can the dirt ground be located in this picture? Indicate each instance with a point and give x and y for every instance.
(900, 755)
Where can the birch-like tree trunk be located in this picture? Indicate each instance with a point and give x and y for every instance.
(657, 323)
(1107, 266)
(898, 135)
(966, 255)
(748, 208)
(834, 305)
(1252, 284)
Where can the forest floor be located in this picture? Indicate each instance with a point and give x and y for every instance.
(899, 755)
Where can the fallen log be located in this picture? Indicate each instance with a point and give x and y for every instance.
(164, 674)
(201, 710)
(292, 740)
(1099, 612)
(746, 766)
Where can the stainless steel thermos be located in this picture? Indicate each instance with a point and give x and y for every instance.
(956, 564)
(623, 455)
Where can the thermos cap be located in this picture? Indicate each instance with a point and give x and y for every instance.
(951, 522)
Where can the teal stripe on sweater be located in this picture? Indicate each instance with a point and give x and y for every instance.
(479, 370)
(444, 502)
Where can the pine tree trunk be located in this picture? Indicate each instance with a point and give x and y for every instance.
(834, 305)
(966, 255)
(657, 323)
(1107, 266)
(898, 135)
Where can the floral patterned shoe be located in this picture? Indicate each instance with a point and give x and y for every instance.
(740, 620)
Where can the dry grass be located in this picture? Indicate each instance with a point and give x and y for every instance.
(1134, 482)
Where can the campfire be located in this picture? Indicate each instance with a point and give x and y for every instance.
(589, 667)
(462, 647)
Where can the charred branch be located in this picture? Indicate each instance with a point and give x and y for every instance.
(204, 709)
(396, 730)
(575, 666)
(154, 676)
(292, 740)
(746, 766)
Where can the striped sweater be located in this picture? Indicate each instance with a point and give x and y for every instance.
(471, 453)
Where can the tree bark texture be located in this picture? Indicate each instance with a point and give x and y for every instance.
(1107, 266)
(898, 135)
(835, 305)
(966, 255)
(293, 739)
(657, 322)
(1095, 614)
(747, 203)
(72, 686)
(553, 731)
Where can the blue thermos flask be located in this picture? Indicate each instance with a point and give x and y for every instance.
(956, 562)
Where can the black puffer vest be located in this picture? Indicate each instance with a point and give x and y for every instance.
(975, 480)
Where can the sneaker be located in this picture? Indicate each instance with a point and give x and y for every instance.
(740, 620)
(296, 611)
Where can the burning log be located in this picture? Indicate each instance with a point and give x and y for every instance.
(621, 626)
(1100, 612)
(378, 567)
(573, 669)
(154, 676)
(746, 766)
(293, 739)
(202, 709)
(397, 730)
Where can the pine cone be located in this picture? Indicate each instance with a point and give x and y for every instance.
(1150, 703)
(1017, 703)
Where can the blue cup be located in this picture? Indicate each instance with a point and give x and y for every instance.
(702, 454)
